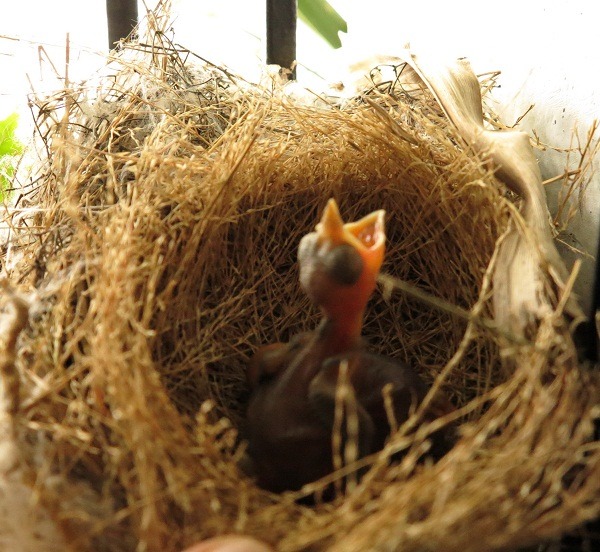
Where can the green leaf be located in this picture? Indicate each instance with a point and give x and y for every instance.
(323, 19)
(9, 145)
(7, 171)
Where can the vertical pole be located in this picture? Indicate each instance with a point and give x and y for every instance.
(281, 33)
(587, 334)
(122, 17)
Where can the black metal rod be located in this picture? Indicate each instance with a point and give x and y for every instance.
(586, 334)
(122, 17)
(281, 33)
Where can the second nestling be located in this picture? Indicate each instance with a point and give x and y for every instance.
(291, 413)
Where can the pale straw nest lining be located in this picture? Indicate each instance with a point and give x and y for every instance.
(161, 254)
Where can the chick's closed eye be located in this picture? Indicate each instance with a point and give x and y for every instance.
(343, 264)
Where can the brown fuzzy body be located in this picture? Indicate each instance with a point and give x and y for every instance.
(290, 416)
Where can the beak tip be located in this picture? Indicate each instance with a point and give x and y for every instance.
(331, 222)
(332, 209)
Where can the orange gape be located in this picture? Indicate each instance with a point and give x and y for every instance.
(291, 410)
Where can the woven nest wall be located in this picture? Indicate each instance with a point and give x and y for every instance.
(157, 250)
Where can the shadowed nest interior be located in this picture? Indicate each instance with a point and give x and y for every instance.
(158, 246)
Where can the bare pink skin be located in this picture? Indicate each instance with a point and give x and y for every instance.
(230, 543)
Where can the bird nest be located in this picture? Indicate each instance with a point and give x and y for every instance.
(156, 251)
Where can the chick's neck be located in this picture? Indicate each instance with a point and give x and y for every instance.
(341, 330)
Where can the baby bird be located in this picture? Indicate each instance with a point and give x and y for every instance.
(291, 411)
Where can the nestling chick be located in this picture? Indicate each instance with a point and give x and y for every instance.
(291, 410)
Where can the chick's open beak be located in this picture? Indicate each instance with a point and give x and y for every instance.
(366, 235)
